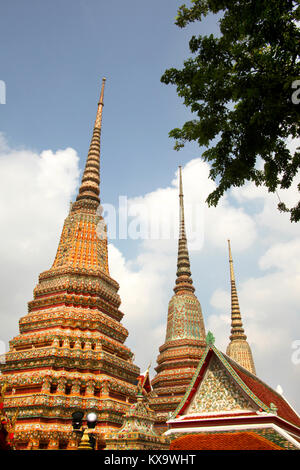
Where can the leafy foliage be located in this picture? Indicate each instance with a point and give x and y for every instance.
(239, 85)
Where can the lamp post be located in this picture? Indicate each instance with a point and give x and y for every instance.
(86, 442)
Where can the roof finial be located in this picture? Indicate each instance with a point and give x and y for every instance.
(210, 339)
(89, 189)
(184, 281)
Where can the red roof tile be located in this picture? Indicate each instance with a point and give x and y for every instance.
(223, 441)
(267, 395)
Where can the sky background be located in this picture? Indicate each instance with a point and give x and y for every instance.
(53, 57)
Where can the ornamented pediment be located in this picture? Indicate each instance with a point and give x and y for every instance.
(218, 392)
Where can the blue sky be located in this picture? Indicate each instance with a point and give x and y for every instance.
(53, 57)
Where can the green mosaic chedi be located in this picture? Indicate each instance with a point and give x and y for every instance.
(185, 334)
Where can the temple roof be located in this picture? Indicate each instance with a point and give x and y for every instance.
(266, 394)
(261, 397)
(144, 381)
(223, 441)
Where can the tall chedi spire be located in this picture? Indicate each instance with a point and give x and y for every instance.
(70, 354)
(89, 189)
(184, 280)
(185, 336)
(75, 247)
(238, 348)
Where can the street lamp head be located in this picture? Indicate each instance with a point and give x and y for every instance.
(77, 419)
(91, 419)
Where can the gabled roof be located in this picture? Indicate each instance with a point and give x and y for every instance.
(266, 394)
(144, 381)
(261, 395)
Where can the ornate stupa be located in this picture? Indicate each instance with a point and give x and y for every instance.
(238, 348)
(70, 353)
(137, 432)
(185, 336)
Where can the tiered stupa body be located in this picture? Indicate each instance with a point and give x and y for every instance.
(238, 348)
(185, 336)
(70, 353)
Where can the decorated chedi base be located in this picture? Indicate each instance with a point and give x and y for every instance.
(137, 432)
(70, 353)
(185, 336)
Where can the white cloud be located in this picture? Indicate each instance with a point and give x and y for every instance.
(284, 256)
(144, 291)
(228, 222)
(293, 144)
(35, 191)
(266, 215)
(157, 213)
